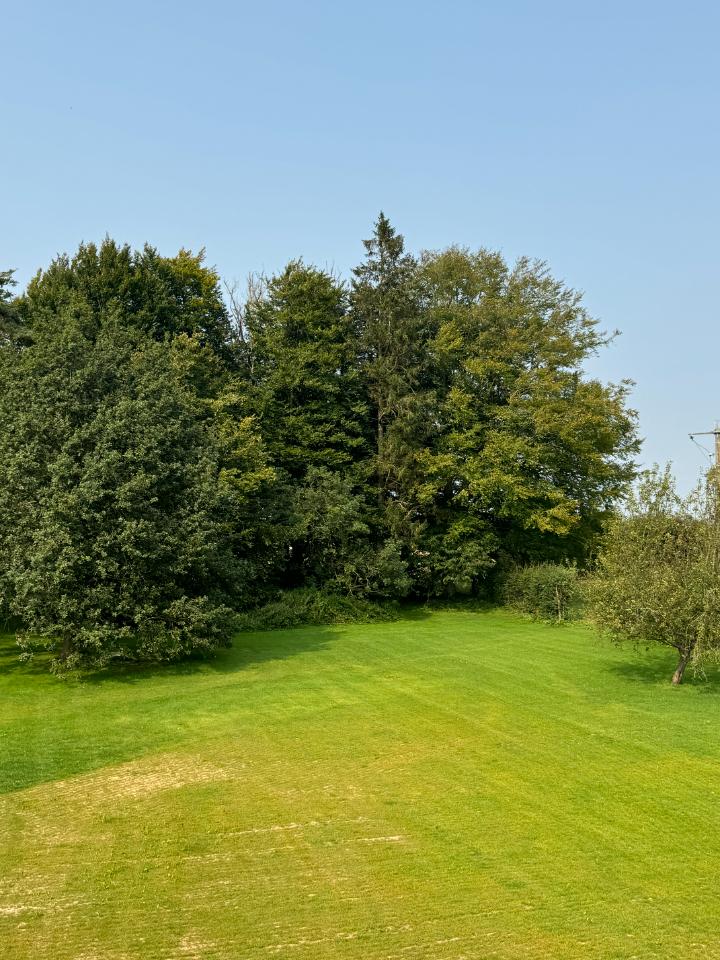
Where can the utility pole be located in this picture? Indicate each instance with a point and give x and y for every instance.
(710, 433)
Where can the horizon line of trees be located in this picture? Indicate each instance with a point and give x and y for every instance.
(168, 458)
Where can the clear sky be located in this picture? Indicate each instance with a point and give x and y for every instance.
(584, 134)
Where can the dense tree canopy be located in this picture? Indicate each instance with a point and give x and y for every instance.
(161, 467)
(528, 453)
(302, 381)
(117, 501)
(162, 296)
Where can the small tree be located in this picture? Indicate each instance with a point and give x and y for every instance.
(657, 577)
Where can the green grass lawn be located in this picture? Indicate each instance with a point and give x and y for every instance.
(458, 785)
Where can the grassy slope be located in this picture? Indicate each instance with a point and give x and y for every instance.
(455, 786)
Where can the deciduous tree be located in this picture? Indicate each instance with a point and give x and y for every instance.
(529, 452)
(658, 573)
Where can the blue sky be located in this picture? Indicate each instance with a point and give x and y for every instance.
(583, 134)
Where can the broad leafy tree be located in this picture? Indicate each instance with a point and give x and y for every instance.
(120, 490)
(528, 453)
(658, 573)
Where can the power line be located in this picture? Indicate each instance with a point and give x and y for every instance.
(708, 433)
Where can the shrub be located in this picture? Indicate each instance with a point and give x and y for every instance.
(548, 591)
(309, 606)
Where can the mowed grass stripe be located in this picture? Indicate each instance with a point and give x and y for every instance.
(448, 786)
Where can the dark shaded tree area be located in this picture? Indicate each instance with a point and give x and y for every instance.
(162, 466)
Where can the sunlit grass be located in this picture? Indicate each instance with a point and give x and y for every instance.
(453, 785)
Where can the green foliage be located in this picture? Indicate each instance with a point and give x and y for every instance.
(454, 557)
(301, 379)
(388, 439)
(386, 305)
(658, 573)
(547, 591)
(115, 514)
(161, 296)
(526, 447)
(377, 571)
(10, 328)
(332, 544)
(311, 606)
(436, 418)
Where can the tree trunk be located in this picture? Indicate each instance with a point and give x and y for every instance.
(685, 655)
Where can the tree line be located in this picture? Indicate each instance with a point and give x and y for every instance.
(170, 456)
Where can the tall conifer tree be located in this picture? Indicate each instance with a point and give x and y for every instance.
(302, 383)
(393, 331)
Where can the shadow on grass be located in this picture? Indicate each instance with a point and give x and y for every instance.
(109, 739)
(104, 741)
(10, 662)
(658, 671)
(251, 647)
(247, 648)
